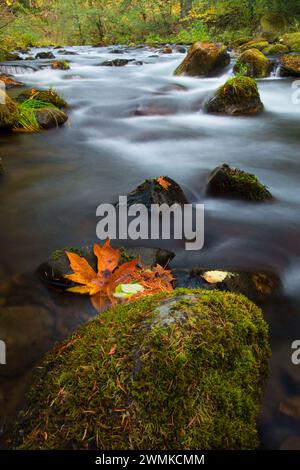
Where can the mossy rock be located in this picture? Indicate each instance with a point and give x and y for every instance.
(181, 370)
(276, 49)
(49, 96)
(151, 192)
(291, 40)
(253, 63)
(60, 65)
(235, 183)
(239, 96)
(9, 112)
(204, 59)
(273, 23)
(290, 65)
(260, 45)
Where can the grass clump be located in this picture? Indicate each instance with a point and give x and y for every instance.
(172, 371)
(48, 96)
(28, 109)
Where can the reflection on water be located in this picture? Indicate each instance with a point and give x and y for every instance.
(134, 122)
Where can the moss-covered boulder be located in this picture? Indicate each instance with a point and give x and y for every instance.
(259, 44)
(10, 82)
(239, 96)
(204, 59)
(48, 96)
(273, 23)
(60, 65)
(235, 183)
(9, 112)
(276, 49)
(253, 63)
(53, 270)
(174, 371)
(292, 40)
(290, 65)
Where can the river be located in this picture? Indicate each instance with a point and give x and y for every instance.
(138, 121)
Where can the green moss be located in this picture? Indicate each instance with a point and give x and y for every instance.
(290, 39)
(276, 49)
(9, 112)
(238, 88)
(58, 254)
(237, 183)
(48, 96)
(131, 380)
(273, 23)
(295, 47)
(255, 45)
(204, 58)
(257, 63)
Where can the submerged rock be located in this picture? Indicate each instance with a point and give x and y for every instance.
(253, 63)
(45, 55)
(10, 82)
(9, 112)
(181, 370)
(257, 286)
(27, 332)
(290, 65)
(49, 96)
(60, 65)
(152, 192)
(55, 268)
(204, 59)
(239, 96)
(115, 63)
(50, 118)
(235, 183)
(64, 52)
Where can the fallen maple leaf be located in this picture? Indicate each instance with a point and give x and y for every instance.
(104, 286)
(163, 182)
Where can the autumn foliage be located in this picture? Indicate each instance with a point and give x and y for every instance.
(104, 285)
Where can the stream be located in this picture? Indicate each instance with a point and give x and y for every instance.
(134, 122)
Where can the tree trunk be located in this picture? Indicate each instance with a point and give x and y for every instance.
(185, 7)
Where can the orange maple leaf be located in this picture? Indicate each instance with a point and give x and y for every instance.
(101, 286)
(109, 275)
(163, 182)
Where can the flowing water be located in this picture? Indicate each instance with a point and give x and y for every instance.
(130, 123)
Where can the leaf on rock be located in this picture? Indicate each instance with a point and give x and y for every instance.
(163, 182)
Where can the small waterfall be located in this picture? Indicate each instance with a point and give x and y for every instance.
(17, 69)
